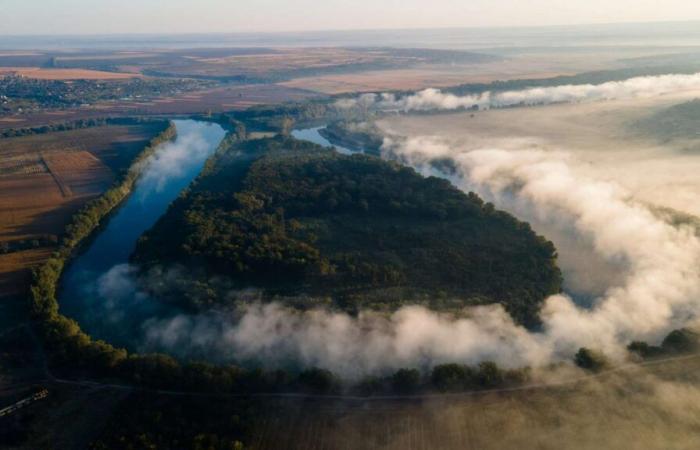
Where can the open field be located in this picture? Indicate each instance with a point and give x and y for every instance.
(639, 409)
(63, 74)
(645, 407)
(269, 63)
(14, 277)
(436, 76)
(46, 178)
(225, 98)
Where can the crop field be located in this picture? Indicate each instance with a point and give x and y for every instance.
(63, 74)
(651, 407)
(45, 179)
(435, 76)
(225, 98)
(228, 62)
(635, 409)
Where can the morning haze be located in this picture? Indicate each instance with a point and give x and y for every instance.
(184, 16)
(386, 225)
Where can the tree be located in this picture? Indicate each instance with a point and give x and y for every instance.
(590, 360)
(489, 374)
(450, 377)
(319, 381)
(681, 341)
(644, 350)
(405, 381)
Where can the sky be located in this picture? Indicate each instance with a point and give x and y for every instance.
(20, 17)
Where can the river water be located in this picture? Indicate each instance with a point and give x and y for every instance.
(313, 135)
(98, 288)
(88, 285)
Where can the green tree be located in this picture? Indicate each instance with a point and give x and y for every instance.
(590, 360)
(405, 381)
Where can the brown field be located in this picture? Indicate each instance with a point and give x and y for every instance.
(63, 74)
(222, 99)
(425, 76)
(14, 269)
(653, 407)
(45, 179)
(287, 59)
(228, 98)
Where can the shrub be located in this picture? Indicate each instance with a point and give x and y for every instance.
(405, 381)
(681, 341)
(590, 360)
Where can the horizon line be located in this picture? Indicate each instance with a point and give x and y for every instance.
(350, 30)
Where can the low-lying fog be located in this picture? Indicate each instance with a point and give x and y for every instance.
(589, 178)
(583, 174)
(601, 137)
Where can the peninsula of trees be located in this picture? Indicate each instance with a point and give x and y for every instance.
(308, 226)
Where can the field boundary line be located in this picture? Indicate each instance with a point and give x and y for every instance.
(62, 185)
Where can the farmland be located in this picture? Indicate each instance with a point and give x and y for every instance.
(44, 179)
(217, 99)
(634, 408)
(39, 73)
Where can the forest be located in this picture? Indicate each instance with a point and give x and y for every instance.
(293, 231)
(303, 223)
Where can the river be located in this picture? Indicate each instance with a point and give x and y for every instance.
(98, 288)
(86, 281)
(313, 135)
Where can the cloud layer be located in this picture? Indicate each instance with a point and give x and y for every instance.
(435, 99)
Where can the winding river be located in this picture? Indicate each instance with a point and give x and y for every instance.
(313, 135)
(97, 289)
(94, 289)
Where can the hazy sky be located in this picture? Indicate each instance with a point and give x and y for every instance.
(174, 16)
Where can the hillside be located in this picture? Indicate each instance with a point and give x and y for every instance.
(309, 226)
(676, 122)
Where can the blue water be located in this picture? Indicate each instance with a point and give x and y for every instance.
(312, 135)
(94, 286)
(99, 288)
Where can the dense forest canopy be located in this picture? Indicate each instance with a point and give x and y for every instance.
(303, 224)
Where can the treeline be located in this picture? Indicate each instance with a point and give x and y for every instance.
(683, 341)
(445, 378)
(677, 342)
(596, 77)
(283, 118)
(73, 125)
(28, 244)
(64, 339)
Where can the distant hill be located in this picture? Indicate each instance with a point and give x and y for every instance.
(306, 225)
(680, 121)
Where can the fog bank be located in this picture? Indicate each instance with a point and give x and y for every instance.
(656, 291)
(435, 99)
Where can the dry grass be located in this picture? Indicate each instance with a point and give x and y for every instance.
(639, 409)
(14, 269)
(64, 74)
(45, 179)
(221, 99)
(426, 76)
